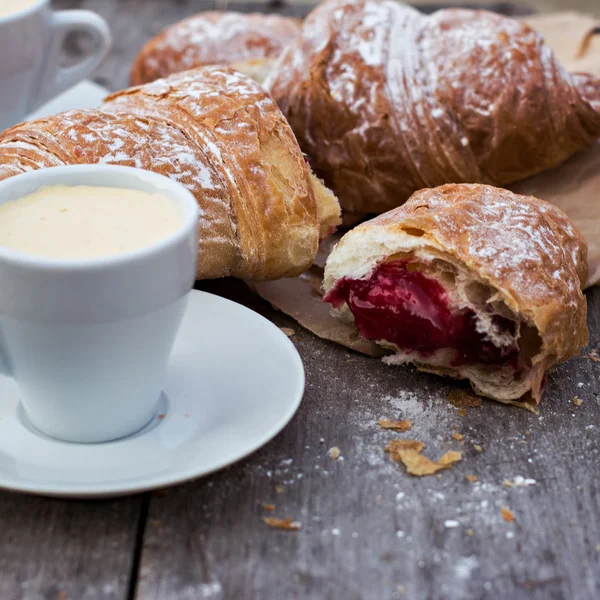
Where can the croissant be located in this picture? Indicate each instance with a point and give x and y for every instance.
(215, 130)
(386, 101)
(470, 281)
(248, 42)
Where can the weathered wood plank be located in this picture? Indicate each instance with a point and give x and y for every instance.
(369, 529)
(59, 550)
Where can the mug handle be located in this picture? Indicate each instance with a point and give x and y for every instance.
(55, 78)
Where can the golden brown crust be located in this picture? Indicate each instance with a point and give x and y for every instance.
(250, 42)
(386, 101)
(217, 132)
(524, 249)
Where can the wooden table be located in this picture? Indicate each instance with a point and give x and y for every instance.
(370, 531)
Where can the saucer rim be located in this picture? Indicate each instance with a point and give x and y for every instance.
(121, 489)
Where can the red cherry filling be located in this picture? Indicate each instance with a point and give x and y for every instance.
(412, 311)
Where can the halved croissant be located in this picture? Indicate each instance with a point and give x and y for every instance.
(469, 281)
(386, 100)
(215, 130)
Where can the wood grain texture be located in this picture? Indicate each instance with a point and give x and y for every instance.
(369, 530)
(60, 550)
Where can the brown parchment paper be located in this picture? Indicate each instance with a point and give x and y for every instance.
(574, 187)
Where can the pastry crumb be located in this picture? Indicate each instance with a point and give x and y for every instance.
(268, 507)
(398, 445)
(461, 412)
(593, 355)
(577, 401)
(477, 447)
(334, 452)
(507, 514)
(286, 524)
(469, 532)
(161, 417)
(402, 425)
(457, 436)
(464, 399)
(519, 481)
(279, 489)
(472, 478)
(408, 452)
(288, 331)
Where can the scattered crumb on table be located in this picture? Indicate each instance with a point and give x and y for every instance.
(398, 445)
(577, 401)
(334, 452)
(408, 452)
(268, 507)
(402, 425)
(279, 489)
(469, 532)
(472, 478)
(477, 447)
(507, 514)
(593, 355)
(457, 436)
(286, 524)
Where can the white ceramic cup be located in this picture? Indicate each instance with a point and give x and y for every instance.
(31, 42)
(88, 340)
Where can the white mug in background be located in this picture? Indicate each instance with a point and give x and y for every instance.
(88, 340)
(31, 42)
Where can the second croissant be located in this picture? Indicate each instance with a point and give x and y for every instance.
(386, 101)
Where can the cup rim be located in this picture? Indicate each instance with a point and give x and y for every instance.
(52, 176)
(28, 10)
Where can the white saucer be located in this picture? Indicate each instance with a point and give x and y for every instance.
(234, 381)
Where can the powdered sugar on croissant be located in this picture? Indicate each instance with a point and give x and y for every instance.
(469, 281)
(386, 100)
(248, 42)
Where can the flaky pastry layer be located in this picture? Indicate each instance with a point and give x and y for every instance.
(220, 134)
(496, 254)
